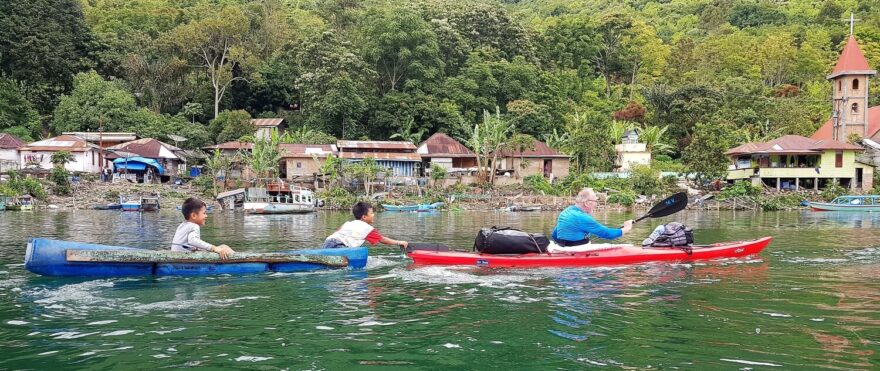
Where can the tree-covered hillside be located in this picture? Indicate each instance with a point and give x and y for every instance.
(573, 73)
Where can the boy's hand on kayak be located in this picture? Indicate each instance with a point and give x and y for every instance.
(403, 244)
(224, 251)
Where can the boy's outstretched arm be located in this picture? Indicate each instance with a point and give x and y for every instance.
(389, 241)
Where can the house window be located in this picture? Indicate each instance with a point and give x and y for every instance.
(299, 165)
(838, 159)
(855, 108)
(856, 84)
(839, 85)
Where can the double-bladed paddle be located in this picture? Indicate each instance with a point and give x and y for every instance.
(669, 206)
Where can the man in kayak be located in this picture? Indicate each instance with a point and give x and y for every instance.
(575, 225)
(188, 236)
(354, 233)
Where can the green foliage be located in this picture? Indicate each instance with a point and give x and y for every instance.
(95, 102)
(438, 172)
(61, 158)
(337, 198)
(705, 154)
(263, 158)
(205, 184)
(18, 186)
(740, 189)
(366, 170)
(625, 198)
(646, 180)
(833, 191)
(17, 115)
(231, 125)
(785, 201)
(307, 135)
(61, 177)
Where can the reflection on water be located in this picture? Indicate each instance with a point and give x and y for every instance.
(810, 300)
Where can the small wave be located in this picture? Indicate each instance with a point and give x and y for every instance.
(118, 333)
(752, 363)
(457, 275)
(105, 322)
(252, 359)
(17, 323)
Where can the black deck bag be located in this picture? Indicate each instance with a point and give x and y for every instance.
(505, 240)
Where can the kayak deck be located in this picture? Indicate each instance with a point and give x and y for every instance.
(612, 255)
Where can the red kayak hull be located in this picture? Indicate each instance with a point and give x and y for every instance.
(622, 255)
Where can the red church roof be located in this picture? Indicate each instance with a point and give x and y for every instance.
(824, 131)
(851, 61)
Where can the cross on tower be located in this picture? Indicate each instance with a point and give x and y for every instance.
(852, 20)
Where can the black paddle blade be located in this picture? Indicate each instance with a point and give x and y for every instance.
(669, 206)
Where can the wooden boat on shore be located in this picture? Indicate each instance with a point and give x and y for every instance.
(418, 207)
(130, 203)
(849, 203)
(150, 203)
(21, 203)
(112, 206)
(524, 208)
(65, 258)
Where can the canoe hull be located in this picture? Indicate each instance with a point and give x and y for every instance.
(277, 208)
(419, 207)
(614, 255)
(49, 258)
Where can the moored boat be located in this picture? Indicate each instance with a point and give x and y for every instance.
(130, 203)
(21, 203)
(602, 255)
(279, 198)
(417, 207)
(65, 258)
(849, 203)
(150, 203)
(112, 206)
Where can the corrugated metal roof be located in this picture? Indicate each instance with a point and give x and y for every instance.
(306, 150)
(442, 145)
(9, 141)
(149, 148)
(792, 144)
(273, 122)
(390, 156)
(374, 144)
(106, 136)
(60, 143)
(541, 150)
(231, 145)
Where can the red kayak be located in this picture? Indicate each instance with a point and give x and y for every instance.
(612, 255)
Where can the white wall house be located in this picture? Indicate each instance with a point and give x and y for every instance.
(9, 157)
(86, 156)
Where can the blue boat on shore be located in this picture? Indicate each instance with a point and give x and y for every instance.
(418, 207)
(76, 259)
(849, 203)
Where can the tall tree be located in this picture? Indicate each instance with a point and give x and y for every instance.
(218, 44)
(404, 50)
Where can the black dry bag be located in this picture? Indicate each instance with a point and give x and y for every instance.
(504, 240)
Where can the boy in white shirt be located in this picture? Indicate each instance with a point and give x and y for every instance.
(354, 233)
(188, 236)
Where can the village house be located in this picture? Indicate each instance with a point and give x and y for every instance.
(169, 157)
(232, 150)
(794, 162)
(630, 152)
(399, 157)
(300, 162)
(266, 127)
(542, 160)
(103, 139)
(440, 149)
(9, 156)
(86, 156)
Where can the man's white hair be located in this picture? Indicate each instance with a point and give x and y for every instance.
(582, 195)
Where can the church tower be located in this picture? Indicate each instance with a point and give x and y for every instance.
(850, 76)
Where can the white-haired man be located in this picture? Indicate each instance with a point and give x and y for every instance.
(575, 225)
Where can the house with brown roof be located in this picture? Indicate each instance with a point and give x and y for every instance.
(397, 156)
(793, 162)
(170, 157)
(86, 156)
(442, 150)
(542, 160)
(265, 127)
(9, 156)
(300, 161)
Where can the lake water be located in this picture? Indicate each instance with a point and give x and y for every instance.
(811, 300)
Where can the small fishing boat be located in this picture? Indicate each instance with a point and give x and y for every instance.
(65, 258)
(418, 207)
(21, 203)
(279, 198)
(600, 255)
(150, 203)
(112, 206)
(130, 203)
(524, 208)
(849, 203)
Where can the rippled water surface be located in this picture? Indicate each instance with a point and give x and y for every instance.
(810, 301)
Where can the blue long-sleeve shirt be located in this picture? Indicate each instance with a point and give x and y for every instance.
(574, 224)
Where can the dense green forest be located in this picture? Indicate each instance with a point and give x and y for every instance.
(699, 75)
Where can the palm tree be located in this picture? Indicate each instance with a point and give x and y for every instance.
(617, 129)
(264, 157)
(406, 133)
(654, 139)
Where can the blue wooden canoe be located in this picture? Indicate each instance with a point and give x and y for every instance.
(65, 258)
(418, 207)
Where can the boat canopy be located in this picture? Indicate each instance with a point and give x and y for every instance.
(137, 164)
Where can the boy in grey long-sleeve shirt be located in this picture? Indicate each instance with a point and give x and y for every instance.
(188, 236)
